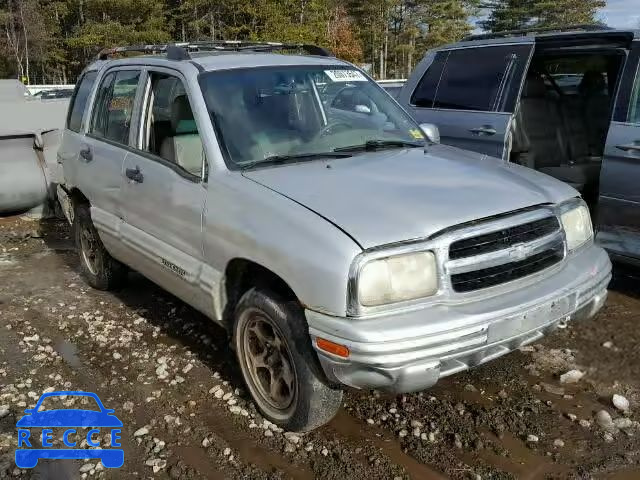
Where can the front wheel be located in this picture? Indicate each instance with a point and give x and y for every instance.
(279, 365)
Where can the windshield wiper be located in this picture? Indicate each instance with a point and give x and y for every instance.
(282, 159)
(372, 145)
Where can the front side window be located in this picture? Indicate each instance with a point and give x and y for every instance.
(114, 106)
(425, 93)
(169, 128)
(79, 101)
(266, 113)
(484, 79)
(634, 108)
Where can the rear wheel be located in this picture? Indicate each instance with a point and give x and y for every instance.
(99, 269)
(279, 364)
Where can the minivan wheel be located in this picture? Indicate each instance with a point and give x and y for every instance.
(279, 365)
(98, 268)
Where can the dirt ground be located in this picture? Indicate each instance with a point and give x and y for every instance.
(172, 380)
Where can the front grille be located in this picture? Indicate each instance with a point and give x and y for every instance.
(502, 239)
(490, 277)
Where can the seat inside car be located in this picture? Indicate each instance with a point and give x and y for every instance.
(184, 145)
(541, 125)
(556, 135)
(597, 109)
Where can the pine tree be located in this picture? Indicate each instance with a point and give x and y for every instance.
(562, 13)
(518, 14)
(508, 15)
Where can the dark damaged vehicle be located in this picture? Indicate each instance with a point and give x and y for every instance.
(565, 103)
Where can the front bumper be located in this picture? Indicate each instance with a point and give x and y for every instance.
(410, 351)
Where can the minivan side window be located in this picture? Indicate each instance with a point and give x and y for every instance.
(472, 79)
(114, 106)
(79, 101)
(425, 93)
(484, 79)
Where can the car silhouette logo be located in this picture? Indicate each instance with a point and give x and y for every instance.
(72, 417)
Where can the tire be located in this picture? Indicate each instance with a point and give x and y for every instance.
(98, 268)
(268, 333)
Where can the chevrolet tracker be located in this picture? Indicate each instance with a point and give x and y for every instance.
(287, 196)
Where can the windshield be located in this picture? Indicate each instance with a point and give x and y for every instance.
(266, 113)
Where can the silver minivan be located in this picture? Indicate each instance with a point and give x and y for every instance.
(566, 103)
(292, 201)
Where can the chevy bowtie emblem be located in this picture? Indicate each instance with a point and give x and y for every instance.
(520, 252)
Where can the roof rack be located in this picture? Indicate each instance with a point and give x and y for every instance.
(533, 31)
(182, 50)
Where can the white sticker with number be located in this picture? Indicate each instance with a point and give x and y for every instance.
(345, 75)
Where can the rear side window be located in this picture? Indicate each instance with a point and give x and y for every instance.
(114, 106)
(482, 79)
(425, 92)
(79, 101)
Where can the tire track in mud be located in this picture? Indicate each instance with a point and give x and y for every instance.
(358, 432)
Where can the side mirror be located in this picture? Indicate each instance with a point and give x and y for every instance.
(38, 143)
(431, 132)
(363, 109)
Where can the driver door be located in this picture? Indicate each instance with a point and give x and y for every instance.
(164, 194)
(619, 203)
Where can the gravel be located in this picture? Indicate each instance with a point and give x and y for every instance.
(620, 402)
(171, 378)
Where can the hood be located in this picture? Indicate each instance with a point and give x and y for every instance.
(389, 196)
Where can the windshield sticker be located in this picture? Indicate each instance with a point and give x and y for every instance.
(345, 75)
(417, 134)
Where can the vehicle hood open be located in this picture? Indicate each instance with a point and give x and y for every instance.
(389, 196)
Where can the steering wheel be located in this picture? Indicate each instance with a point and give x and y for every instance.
(333, 128)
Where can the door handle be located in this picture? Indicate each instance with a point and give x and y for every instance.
(86, 154)
(485, 130)
(134, 174)
(629, 147)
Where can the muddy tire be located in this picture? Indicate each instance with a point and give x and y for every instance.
(98, 268)
(279, 365)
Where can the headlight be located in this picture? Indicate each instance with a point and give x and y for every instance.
(397, 278)
(577, 226)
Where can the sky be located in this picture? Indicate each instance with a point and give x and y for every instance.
(621, 14)
(617, 14)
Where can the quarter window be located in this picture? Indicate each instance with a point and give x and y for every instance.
(79, 101)
(114, 106)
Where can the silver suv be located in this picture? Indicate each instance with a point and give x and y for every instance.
(290, 199)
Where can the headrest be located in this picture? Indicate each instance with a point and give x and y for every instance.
(592, 82)
(535, 87)
(182, 120)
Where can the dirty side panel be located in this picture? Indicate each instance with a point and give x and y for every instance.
(22, 179)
